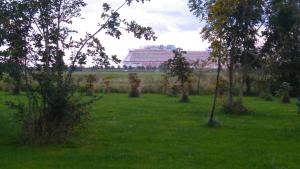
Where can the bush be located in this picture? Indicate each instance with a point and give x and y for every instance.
(40, 127)
(283, 92)
(135, 83)
(184, 98)
(267, 97)
(213, 123)
(236, 108)
(174, 90)
(90, 84)
(106, 84)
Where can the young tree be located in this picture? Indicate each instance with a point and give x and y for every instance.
(53, 108)
(235, 22)
(179, 67)
(216, 54)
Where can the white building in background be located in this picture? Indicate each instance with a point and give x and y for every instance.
(154, 56)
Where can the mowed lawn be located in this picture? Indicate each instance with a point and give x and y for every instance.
(158, 132)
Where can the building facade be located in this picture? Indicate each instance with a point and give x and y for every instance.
(155, 56)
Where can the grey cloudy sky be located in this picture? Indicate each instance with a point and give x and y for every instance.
(170, 19)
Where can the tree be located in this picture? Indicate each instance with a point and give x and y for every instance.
(53, 107)
(15, 29)
(179, 67)
(216, 54)
(282, 47)
(234, 22)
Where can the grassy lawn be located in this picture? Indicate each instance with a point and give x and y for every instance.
(158, 132)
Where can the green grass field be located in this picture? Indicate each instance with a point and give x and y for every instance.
(158, 132)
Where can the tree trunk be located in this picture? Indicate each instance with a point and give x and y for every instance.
(248, 85)
(241, 87)
(198, 85)
(184, 97)
(211, 119)
(230, 92)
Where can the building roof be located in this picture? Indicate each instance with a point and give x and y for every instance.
(161, 55)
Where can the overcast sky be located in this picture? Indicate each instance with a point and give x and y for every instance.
(170, 19)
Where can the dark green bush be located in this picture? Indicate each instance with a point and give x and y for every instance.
(236, 108)
(184, 98)
(283, 92)
(267, 96)
(40, 128)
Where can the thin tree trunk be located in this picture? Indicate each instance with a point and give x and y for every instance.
(198, 84)
(212, 113)
(248, 85)
(230, 92)
(241, 88)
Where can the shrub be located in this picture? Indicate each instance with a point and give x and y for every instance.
(236, 108)
(184, 98)
(190, 88)
(135, 83)
(165, 83)
(267, 96)
(90, 84)
(223, 86)
(106, 84)
(283, 92)
(40, 128)
(174, 90)
(213, 123)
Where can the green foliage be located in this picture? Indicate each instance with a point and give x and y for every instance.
(39, 39)
(267, 96)
(231, 28)
(284, 91)
(281, 49)
(44, 128)
(223, 86)
(179, 67)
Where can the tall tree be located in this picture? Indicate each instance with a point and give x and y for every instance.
(53, 108)
(16, 25)
(236, 23)
(282, 47)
